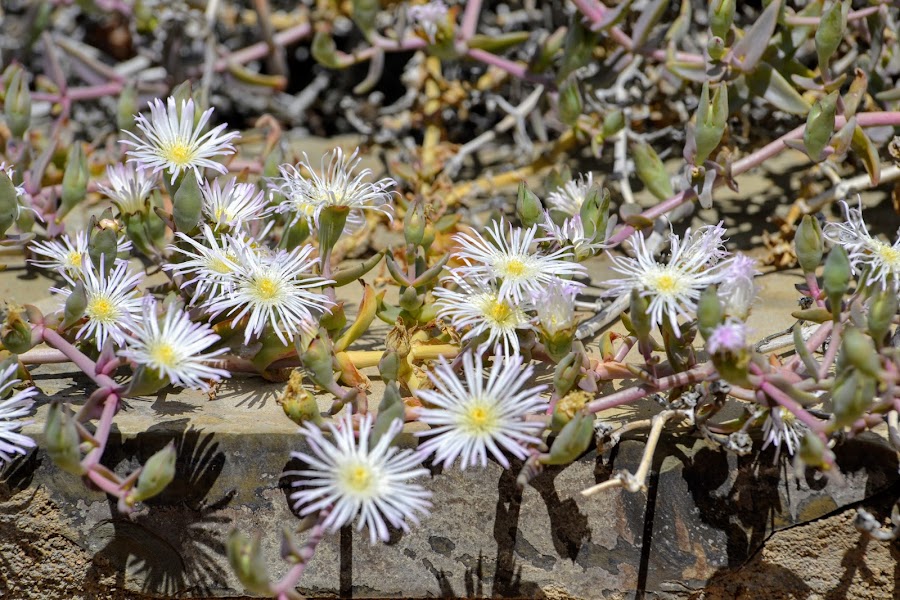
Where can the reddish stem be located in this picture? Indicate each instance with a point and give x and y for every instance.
(633, 394)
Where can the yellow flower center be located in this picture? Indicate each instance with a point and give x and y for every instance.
(266, 288)
(219, 266)
(223, 215)
(179, 154)
(664, 282)
(163, 354)
(480, 418)
(515, 268)
(100, 308)
(358, 478)
(73, 260)
(499, 311)
(888, 254)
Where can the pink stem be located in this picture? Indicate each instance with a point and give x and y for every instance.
(289, 581)
(633, 394)
(261, 49)
(515, 69)
(470, 19)
(104, 484)
(814, 290)
(110, 407)
(831, 352)
(89, 367)
(793, 407)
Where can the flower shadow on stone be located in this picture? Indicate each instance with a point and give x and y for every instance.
(175, 544)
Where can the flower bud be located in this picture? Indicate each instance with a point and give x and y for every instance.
(247, 562)
(639, 314)
(62, 439)
(9, 203)
(836, 278)
(820, 126)
(830, 31)
(16, 333)
(721, 16)
(567, 372)
(613, 123)
(715, 47)
(882, 309)
(158, 472)
(364, 14)
(390, 409)
(75, 305)
(709, 311)
(528, 206)
(594, 213)
(318, 362)
(127, 107)
(570, 103)
(410, 299)
(146, 381)
(566, 408)
(651, 171)
(850, 397)
(187, 204)
(572, 441)
(414, 224)
(711, 120)
(17, 105)
(295, 235)
(859, 351)
(809, 244)
(332, 220)
(389, 365)
(103, 248)
(74, 182)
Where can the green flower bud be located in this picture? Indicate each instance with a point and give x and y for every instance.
(651, 171)
(17, 106)
(390, 409)
(62, 441)
(410, 300)
(297, 402)
(158, 472)
(640, 315)
(332, 220)
(711, 120)
(709, 311)
(103, 244)
(820, 126)
(721, 16)
(75, 305)
(836, 278)
(247, 562)
(127, 107)
(319, 362)
(74, 183)
(613, 123)
(572, 441)
(9, 203)
(528, 206)
(146, 381)
(16, 333)
(414, 224)
(364, 14)
(567, 373)
(882, 308)
(567, 408)
(715, 47)
(295, 235)
(859, 351)
(187, 204)
(850, 397)
(570, 103)
(809, 244)
(830, 31)
(389, 365)
(594, 213)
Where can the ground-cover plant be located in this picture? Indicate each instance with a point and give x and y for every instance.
(253, 243)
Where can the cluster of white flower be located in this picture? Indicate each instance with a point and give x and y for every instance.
(875, 260)
(13, 406)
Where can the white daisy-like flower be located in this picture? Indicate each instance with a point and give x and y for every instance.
(210, 264)
(235, 204)
(877, 260)
(174, 144)
(738, 289)
(65, 254)
(673, 288)
(274, 289)
(571, 234)
(12, 409)
(555, 306)
(477, 306)
(521, 271)
(783, 429)
(112, 300)
(469, 420)
(306, 195)
(355, 480)
(569, 197)
(729, 337)
(429, 17)
(174, 347)
(129, 187)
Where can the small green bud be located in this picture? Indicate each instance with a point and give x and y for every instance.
(721, 16)
(158, 472)
(414, 224)
(820, 126)
(613, 123)
(187, 204)
(528, 206)
(364, 15)
(75, 180)
(103, 248)
(62, 441)
(16, 333)
(145, 381)
(247, 562)
(859, 351)
(390, 410)
(709, 311)
(850, 397)
(324, 50)
(332, 220)
(389, 365)
(716, 48)
(570, 103)
(712, 116)
(567, 373)
(809, 244)
(594, 213)
(567, 408)
(295, 235)
(75, 306)
(410, 299)
(17, 106)
(9, 203)
(318, 362)
(572, 441)
(651, 171)
(882, 309)
(830, 31)
(836, 278)
(640, 315)
(127, 107)
(298, 403)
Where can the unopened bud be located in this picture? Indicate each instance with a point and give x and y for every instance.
(76, 303)
(830, 31)
(528, 206)
(410, 299)
(882, 309)
(712, 116)
(247, 562)
(721, 16)
(572, 441)
(820, 126)
(651, 171)
(103, 248)
(709, 311)
(390, 410)
(570, 103)
(16, 333)
(75, 180)
(158, 472)
(809, 244)
(389, 365)
(850, 397)
(640, 315)
(187, 204)
(319, 363)
(17, 105)
(613, 123)
(836, 278)
(715, 47)
(9, 203)
(594, 213)
(62, 439)
(859, 351)
(325, 51)
(414, 224)
(567, 372)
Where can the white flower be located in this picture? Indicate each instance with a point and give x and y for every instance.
(273, 289)
(521, 271)
(877, 260)
(174, 144)
(728, 338)
(571, 234)
(335, 185)
(782, 428)
(65, 254)
(673, 288)
(173, 348)
(16, 406)
(477, 305)
(429, 17)
(568, 198)
(738, 289)
(352, 479)
(233, 205)
(211, 265)
(112, 300)
(555, 306)
(470, 421)
(129, 187)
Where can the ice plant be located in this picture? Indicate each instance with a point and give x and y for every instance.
(477, 306)
(555, 306)
(673, 288)
(876, 260)
(112, 300)
(475, 418)
(12, 409)
(738, 290)
(308, 192)
(65, 253)
(782, 429)
(129, 187)
(569, 197)
(173, 347)
(511, 261)
(233, 205)
(174, 144)
(273, 288)
(429, 17)
(728, 338)
(210, 264)
(355, 480)
(571, 234)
